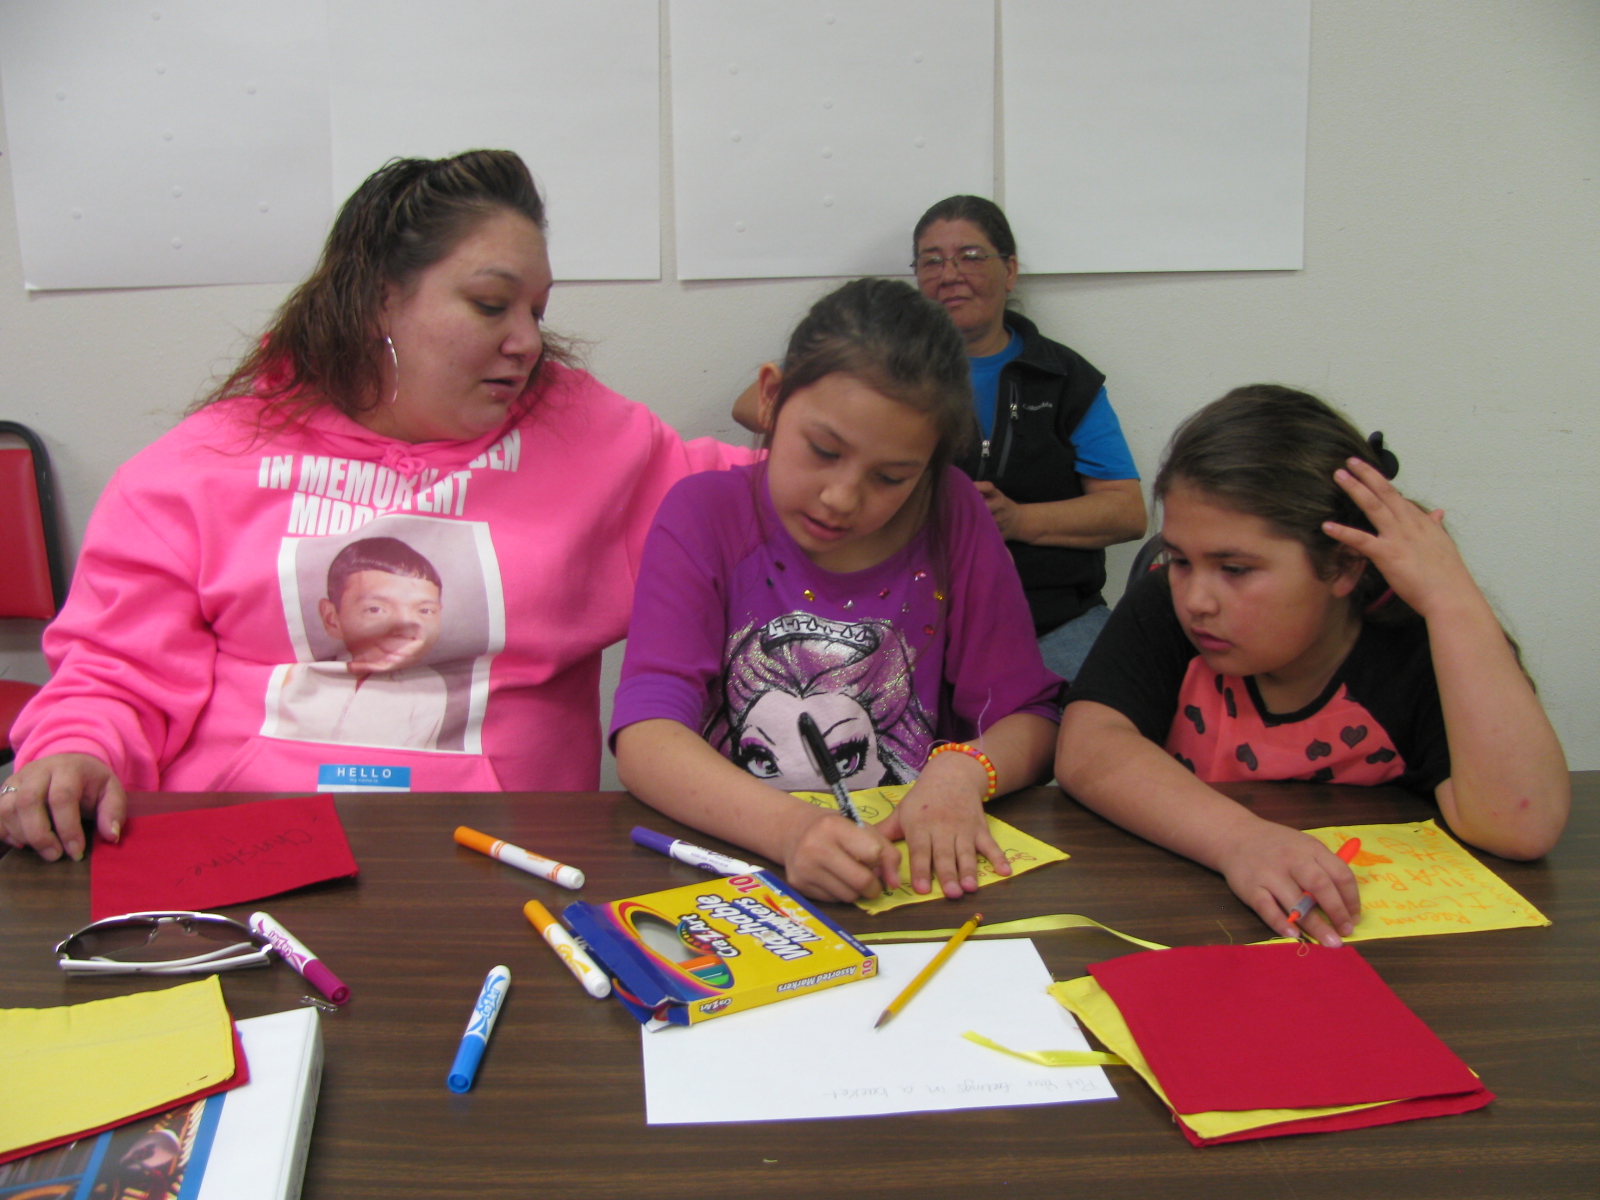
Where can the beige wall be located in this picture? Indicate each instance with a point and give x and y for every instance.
(1451, 297)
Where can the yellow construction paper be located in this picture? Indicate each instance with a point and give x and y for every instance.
(1416, 879)
(1024, 853)
(1093, 1005)
(65, 1070)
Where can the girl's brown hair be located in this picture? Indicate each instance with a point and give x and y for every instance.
(902, 345)
(323, 345)
(1270, 451)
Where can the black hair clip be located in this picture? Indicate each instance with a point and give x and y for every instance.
(1388, 464)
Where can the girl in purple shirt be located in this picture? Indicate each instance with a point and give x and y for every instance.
(854, 577)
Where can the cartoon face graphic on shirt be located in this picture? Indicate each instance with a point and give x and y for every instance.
(384, 603)
(770, 745)
(854, 679)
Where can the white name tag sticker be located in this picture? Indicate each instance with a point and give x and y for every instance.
(357, 777)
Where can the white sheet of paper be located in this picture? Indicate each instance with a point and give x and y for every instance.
(819, 1056)
(1156, 135)
(171, 143)
(571, 85)
(807, 138)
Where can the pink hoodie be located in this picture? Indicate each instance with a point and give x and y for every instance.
(203, 646)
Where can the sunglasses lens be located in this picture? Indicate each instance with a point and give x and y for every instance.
(164, 939)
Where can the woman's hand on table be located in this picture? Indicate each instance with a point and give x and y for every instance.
(43, 804)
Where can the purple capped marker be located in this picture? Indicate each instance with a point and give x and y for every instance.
(689, 853)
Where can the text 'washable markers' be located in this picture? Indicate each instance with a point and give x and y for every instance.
(1300, 911)
(594, 980)
(294, 953)
(689, 853)
(812, 736)
(476, 1039)
(516, 856)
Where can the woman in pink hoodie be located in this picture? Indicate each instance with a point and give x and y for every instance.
(386, 553)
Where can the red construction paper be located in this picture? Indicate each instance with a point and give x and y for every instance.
(240, 1077)
(1388, 1114)
(208, 857)
(1228, 1028)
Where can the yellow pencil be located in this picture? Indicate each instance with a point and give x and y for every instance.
(915, 986)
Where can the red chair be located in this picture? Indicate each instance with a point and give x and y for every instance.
(33, 577)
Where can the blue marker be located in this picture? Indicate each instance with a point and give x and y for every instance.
(476, 1039)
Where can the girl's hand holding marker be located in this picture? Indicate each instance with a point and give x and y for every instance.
(829, 858)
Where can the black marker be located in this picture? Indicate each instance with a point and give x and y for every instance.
(812, 736)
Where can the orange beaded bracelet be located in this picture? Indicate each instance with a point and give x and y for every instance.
(983, 761)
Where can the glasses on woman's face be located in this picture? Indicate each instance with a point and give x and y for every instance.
(968, 262)
(162, 943)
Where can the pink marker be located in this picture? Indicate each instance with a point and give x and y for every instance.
(297, 956)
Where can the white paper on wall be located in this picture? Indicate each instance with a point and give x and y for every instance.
(1156, 135)
(808, 138)
(571, 85)
(166, 143)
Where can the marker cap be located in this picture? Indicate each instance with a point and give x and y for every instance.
(465, 1069)
(326, 982)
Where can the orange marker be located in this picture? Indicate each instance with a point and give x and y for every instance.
(1347, 852)
(594, 980)
(516, 856)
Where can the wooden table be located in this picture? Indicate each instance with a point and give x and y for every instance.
(559, 1104)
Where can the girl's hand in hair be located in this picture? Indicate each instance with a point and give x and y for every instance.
(1418, 558)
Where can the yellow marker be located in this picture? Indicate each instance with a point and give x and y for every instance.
(594, 980)
(926, 973)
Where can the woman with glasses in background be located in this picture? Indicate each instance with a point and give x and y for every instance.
(1052, 463)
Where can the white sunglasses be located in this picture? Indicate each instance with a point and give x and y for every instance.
(162, 943)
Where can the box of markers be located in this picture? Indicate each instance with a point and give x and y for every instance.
(693, 953)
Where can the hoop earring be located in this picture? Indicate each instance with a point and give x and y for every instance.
(395, 359)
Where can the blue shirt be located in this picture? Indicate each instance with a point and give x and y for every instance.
(1100, 449)
(986, 370)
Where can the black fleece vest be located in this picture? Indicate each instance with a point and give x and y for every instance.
(1044, 393)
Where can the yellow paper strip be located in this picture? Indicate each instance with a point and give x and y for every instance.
(65, 1070)
(1008, 928)
(1023, 852)
(1416, 879)
(1051, 1058)
(1092, 1005)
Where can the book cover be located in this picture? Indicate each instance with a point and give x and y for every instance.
(246, 1144)
(717, 947)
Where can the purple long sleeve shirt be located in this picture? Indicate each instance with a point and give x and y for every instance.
(735, 633)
